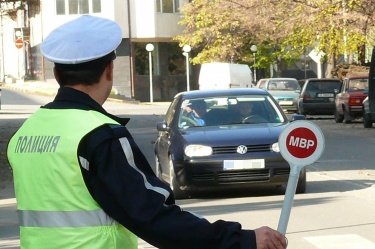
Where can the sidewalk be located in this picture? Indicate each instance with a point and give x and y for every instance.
(50, 88)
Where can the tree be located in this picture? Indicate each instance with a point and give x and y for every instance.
(225, 29)
(215, 29)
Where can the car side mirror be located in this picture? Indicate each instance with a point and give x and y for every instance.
(162, 126)
(296, 117)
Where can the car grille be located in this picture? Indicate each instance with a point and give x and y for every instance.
(239, 176)
(233, 149)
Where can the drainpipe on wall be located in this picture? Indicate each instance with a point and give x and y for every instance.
(2, 47)
(130, 53)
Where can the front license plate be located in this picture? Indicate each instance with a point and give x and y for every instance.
(325, 95)
(283, 102)
(244, 164)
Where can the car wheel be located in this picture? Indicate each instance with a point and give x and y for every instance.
(178, 193)
(301, 185)
(338, 118)
(157, 168)
(347, 117)
(366, 122)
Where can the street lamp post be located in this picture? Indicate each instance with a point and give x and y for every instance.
(254, 49)
(187, 49)
(150, 48)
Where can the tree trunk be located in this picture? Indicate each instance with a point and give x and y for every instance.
(331, 67)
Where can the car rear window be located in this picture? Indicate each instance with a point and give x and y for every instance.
(323, 86)
(283, 85)
(358, 85)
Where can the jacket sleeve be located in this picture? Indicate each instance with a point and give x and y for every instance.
(122, 182)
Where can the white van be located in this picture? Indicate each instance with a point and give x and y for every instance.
(219, 75)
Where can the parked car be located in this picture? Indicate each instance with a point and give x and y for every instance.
(261, 82)
(348, 102)
(317, 96)
(284, 90)
(226, 151)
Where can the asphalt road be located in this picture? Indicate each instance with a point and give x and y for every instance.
(337, 210)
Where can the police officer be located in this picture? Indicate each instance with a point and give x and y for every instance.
(80, 179)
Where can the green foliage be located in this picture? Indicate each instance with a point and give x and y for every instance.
(224, 30)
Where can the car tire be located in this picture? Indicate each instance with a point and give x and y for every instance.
(178, 193)
(338, 118)
(366, 122)
(347, 117)
(302, 182)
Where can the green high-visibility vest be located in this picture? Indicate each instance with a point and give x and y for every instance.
(55, 207)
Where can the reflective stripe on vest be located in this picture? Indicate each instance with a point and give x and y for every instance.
(56, 210)
(29, 218)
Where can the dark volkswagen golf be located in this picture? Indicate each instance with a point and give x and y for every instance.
(222, 139)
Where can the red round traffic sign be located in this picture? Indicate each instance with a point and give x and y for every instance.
(19, 43)
(301, 143)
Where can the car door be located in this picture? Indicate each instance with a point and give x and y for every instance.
(342, 96)
(165, 135)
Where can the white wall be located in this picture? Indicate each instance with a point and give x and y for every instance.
(50, 20)
(146, 23)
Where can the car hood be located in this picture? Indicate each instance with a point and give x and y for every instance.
(234, 135)
(284, 94)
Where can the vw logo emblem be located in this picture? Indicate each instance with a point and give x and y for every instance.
(242, 149)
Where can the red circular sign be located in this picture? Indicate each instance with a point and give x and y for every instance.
(19, 43)
(301, 142)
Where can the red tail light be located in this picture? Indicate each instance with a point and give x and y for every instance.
(306, 96)
(355, 101)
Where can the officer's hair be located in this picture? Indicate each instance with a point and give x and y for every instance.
(87, 73)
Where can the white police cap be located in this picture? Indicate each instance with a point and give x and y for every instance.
(84, 39)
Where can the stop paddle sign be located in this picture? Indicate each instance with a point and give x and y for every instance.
(301, 143)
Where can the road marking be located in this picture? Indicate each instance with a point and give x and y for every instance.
(346, 241)
(8, 201)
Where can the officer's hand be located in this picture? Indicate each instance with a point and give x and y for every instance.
(268, 238)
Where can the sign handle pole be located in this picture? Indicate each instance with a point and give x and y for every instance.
(288, 199)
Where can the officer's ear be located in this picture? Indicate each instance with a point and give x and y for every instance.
(109, 71)
(56, 74)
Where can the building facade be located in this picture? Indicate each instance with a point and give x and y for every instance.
(142, 21)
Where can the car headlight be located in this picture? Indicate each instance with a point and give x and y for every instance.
(275, 147)
(198, 150)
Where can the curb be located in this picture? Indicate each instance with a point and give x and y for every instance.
(49, 89)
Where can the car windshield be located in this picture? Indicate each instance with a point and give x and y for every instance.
(229, 110)
(283, 85)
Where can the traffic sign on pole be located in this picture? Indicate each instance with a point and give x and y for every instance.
(19, 43)
(301, 143)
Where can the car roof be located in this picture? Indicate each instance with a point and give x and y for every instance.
(219, 92)
(357, 77)
(269, 79)
(322, 79)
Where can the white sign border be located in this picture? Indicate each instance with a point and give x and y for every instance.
(319, 148)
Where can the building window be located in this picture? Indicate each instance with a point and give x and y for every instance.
(176, 61)
(176, 6)
(96, 6)
(60, 7)
(73, 7)
(142, 65)
(168, 6)
(78, 7)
